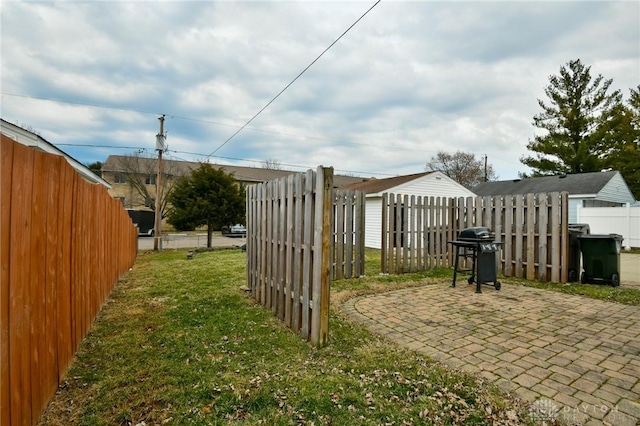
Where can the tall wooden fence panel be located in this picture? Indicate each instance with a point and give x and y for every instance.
(347, 248)
(64, 244)
(533, 229)
(289, 223)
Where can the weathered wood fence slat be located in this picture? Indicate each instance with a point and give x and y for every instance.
(533, 229)
(64, 244)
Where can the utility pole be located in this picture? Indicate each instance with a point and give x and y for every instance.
(486, 178)
(160, 147)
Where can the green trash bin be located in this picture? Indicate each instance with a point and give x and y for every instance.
(575, 230)
(600, 258)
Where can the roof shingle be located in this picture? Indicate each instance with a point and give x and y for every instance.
(378, 185)
(582, 183)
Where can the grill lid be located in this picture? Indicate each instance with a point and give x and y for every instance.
(477, 233)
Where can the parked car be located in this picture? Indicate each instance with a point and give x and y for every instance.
(236, 230)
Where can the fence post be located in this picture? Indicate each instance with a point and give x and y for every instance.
(322, 263)
(361, 227)
(383, 237)
(564, 196)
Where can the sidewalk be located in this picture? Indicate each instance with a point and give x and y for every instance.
(630, 270)
(578, 356)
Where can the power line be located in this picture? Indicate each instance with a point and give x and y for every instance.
(204, 156)
(199, 120)
(294, 80)
(282, 164)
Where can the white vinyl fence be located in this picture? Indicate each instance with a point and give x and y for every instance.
(613, 220)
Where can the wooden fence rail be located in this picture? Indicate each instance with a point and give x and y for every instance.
(64, 244)
(532, 227)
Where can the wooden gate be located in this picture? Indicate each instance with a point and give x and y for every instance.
(288, 250)
(300, 234)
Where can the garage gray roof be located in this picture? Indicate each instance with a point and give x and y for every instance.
(582, 183)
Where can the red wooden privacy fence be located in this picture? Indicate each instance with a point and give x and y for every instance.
(64, 244)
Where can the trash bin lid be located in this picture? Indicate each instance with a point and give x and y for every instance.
(616, 237)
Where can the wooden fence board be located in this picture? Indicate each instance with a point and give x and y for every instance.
(531, 235)
(384, 240)
(297, 268)
(434, 230)
(519, 234)
(53, 261)
(282, 226)
(508, 236)
(322, 265)
(289, 251)
(555, 241)
(337, 251)
(564, 236)
(498, 229)
(360, 232)
(20, 294)
(6, 172)
(37, 251)
(543, 230)
(307, 264)
(352, 239)
(63, 319)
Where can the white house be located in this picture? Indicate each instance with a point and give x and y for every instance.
(426, 184)
(28, 138)
(597, 189)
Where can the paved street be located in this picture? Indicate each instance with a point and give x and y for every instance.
(184, 241)
(577, 355)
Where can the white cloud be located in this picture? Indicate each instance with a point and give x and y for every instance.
(408, 80)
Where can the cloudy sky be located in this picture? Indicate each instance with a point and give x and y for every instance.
(410, 79)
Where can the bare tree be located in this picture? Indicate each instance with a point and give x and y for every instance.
(140, 171)
(272, 164)
(462, 167)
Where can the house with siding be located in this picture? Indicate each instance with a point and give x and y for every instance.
(426, 184)
(597, 189)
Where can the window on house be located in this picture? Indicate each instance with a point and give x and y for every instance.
(119, 178)
(150, 180)
(121, 199)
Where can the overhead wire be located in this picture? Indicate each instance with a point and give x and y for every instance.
(179, 117)
(245, 125)
(294, 80)
(205, 157)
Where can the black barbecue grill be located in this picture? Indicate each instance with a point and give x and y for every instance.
(477, 244)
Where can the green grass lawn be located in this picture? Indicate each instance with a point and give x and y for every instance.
(179, 343)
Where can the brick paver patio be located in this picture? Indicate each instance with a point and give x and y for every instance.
(577, 355)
